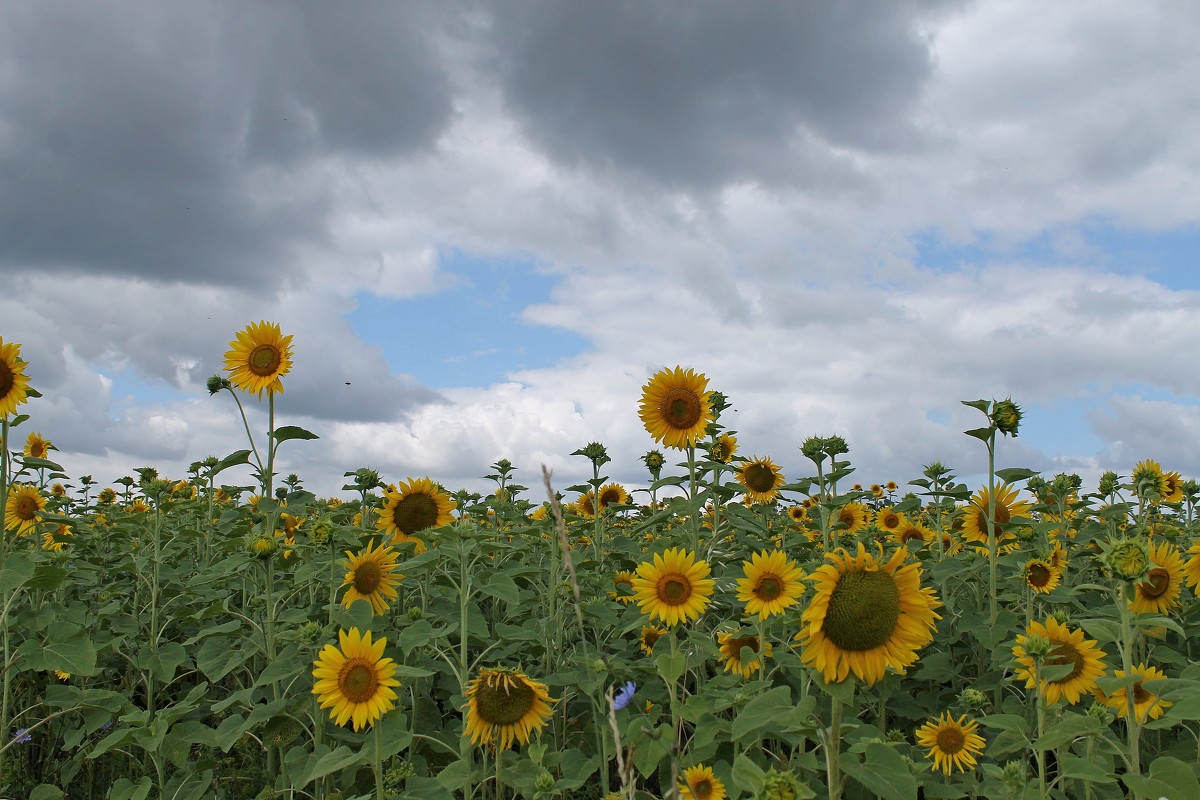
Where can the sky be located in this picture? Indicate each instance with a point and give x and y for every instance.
(486, 225)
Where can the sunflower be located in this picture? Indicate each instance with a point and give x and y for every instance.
(911, 531)
(891, 486)
(505, 705)
(585, 505)
(22, 509)
(259, 357)
(890, 520)
(1146, 704)
(1041, 576)
(650, 634)
(974, 520)
(1173, 490)
(876, 491)
(797, 514)
(612, 494)
(772, 583)
(699, 783)
(36, 446)
(674, 588)
(1159, 593)
(1149, 481)
(354, 680)
(675, 407)
(51, 539)
(621, 581)
(14, 385)
(762, 479)
(370, 576)
(418, 504)
(953, 743)
(731, 651)
(1192, 567)
(1057, 558)
(855, 516)
(866, 616)
(1066, 647)
(724, 448)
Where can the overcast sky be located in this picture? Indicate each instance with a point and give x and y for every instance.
(487, 224)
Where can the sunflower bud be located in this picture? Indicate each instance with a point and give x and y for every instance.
(595, 452)
(1037, 646)
(814, 449)
(973, 699)
(835, 446)
(393, 779)
(1014, 773)
(263, 546)
(1100, 712)
(281, 731)
(654, 462)
(1127, 560)
(1062, 615)
(781, 786)
(1006, 416)
(544, 782)
(216, 383)
(1108, 483)
(897, 735)
(310, 633)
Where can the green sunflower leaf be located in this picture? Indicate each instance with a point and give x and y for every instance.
(1014, 474)
(292, 432)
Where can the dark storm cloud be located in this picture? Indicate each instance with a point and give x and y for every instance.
(704, 91)
(170, 140)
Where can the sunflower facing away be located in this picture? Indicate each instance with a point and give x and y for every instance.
(762, 479)
(1067, 647)
(731, 652)
(675, 407)
(14, 385)
(503, 706)
(699, 783)
(36, 446)
(354, 680)
(259, 357)
(371, 577)
(675, 587)
(1159, 593)
(416, 505)
(866, 615)
(1146, 704)
(953, 743)
(1008, 507)
(22, 508)
(1149, 481)
(772, 583)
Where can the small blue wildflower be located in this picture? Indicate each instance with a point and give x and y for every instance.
(624, 695)
(22, 736)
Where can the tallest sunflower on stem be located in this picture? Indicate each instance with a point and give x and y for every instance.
(675, 407)
(258, 358)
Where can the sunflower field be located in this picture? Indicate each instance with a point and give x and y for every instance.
(729, 633)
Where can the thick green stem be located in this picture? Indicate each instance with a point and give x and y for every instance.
(833, 746)
(1133, 725)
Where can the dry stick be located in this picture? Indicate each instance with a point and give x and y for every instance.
(561, 527)
(626, 773)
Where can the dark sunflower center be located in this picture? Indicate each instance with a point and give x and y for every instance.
(950, 740)
(650, 637)
(414, 513)
(38, 450)
(735, 645)
(357, 681)
(7, 379)
(1140, 695)
(1039, 575)
(367, 577)
(26, 507)
(908, 534)
(680, 408)
(890, 520)
(864, 609)
(609, 496)
(1062, 654)
(760, 478)
(769, 587)
(674, 590)
(1157, 583)
(504, 702)
(846, 517)
(264, 360)
(1003, 515)
(702, 788)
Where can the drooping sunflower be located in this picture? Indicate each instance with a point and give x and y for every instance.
(699, 783)
(505, 706)
(259, 357)
(731, 646)
(1146, 704)
(1159, 593)
(1041, 576)
(762, 479)
(724, 448)
(953, 743)
(371, 576)
(649, 636)
(612, 494)
(14, 385)
(417, 505)
(866, 615)
(1008, 507)
(675, 587)
(36, 446)
(855, 516)
(354, 680)
(621, 581)
(675, 407)
(22, 509)
(1067, 647)
(771, 584)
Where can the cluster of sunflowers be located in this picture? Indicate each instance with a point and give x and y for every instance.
(704, 601)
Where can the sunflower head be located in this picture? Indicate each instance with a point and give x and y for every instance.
(37, 447)
(1149, 481)
(258, 358)
(354, 680)
(700, 783)
(674, 587)
(952, 743)
(504, 706)
(14, 385)
(417, 505)
(1127, 559)
(1006, 416)
(1041, 576)
(771, 584)
(675, 407)
(612, 494)
(743, 654)
(761, 478)
(23, 508)
(370, 576)
(1073, 663)
(724, 448)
